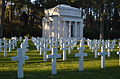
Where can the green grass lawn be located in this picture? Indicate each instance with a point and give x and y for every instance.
(35, 68)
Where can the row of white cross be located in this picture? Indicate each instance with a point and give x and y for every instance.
(54, 48)
(95, 45)
(11, 44)
(21, 57)
(42, 45)
(52, 44)
(7, 45)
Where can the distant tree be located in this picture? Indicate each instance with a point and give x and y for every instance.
(24, 18)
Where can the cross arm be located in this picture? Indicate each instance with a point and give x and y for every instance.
(15, 58)
(102, 53)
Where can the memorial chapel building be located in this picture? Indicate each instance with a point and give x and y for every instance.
(63, 21)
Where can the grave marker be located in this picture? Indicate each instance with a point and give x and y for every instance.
(118, 52)
(69, 46)
(119, 56)
(21, 60)
(109, 48)
(10, 46)
(45, 52)
(96, 49)
(102, 53)
(41, 48)
(81, 55)
(5, 47)
(54, 57)
(64, 51)
(0, 45)
(20, 38)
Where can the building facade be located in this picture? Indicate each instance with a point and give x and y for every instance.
(63, 21)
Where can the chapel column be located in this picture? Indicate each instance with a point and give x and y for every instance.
(76, 29)
(47, 29)
(56, 27)
(69, 29)
(43, 23)
(64, 29)
(81, 29)
(49, 26)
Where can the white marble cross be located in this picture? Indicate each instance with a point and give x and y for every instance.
(64, 51)
(5, 47)
(54, 57)
(75, 42)
(24, 47)
(41, 48)
(82, 43)
(90, 44)
(38, 45)
(20, 38)
(119, 56)
(61, 43)
(119, 46)
(96, 49)
(25, 41)
(109, 48)
(81, 55)
(81, 48)
(118, 52)
(113, 44)
(13, 44)
(69, 46)
(72, 42)
(56, 44)
(45, 49)
(10, 45)
(102, 53)
(0, 45)
(16, 42)
(21, 60)
(50, 43)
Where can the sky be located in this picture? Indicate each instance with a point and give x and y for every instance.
(32, 0)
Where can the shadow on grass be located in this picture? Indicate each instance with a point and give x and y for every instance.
(106, 73)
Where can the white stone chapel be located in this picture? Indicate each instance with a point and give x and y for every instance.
(63, 21)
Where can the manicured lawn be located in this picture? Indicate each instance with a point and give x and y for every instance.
(35, 68)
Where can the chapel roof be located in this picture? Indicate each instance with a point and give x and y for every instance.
(64, 6)
(63, 10)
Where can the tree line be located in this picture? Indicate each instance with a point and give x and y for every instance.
(21, 18)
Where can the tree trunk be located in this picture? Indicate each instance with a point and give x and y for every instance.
(11, 17)
(101, 26)
(0, 17)
(2, 14)
(28, 13)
